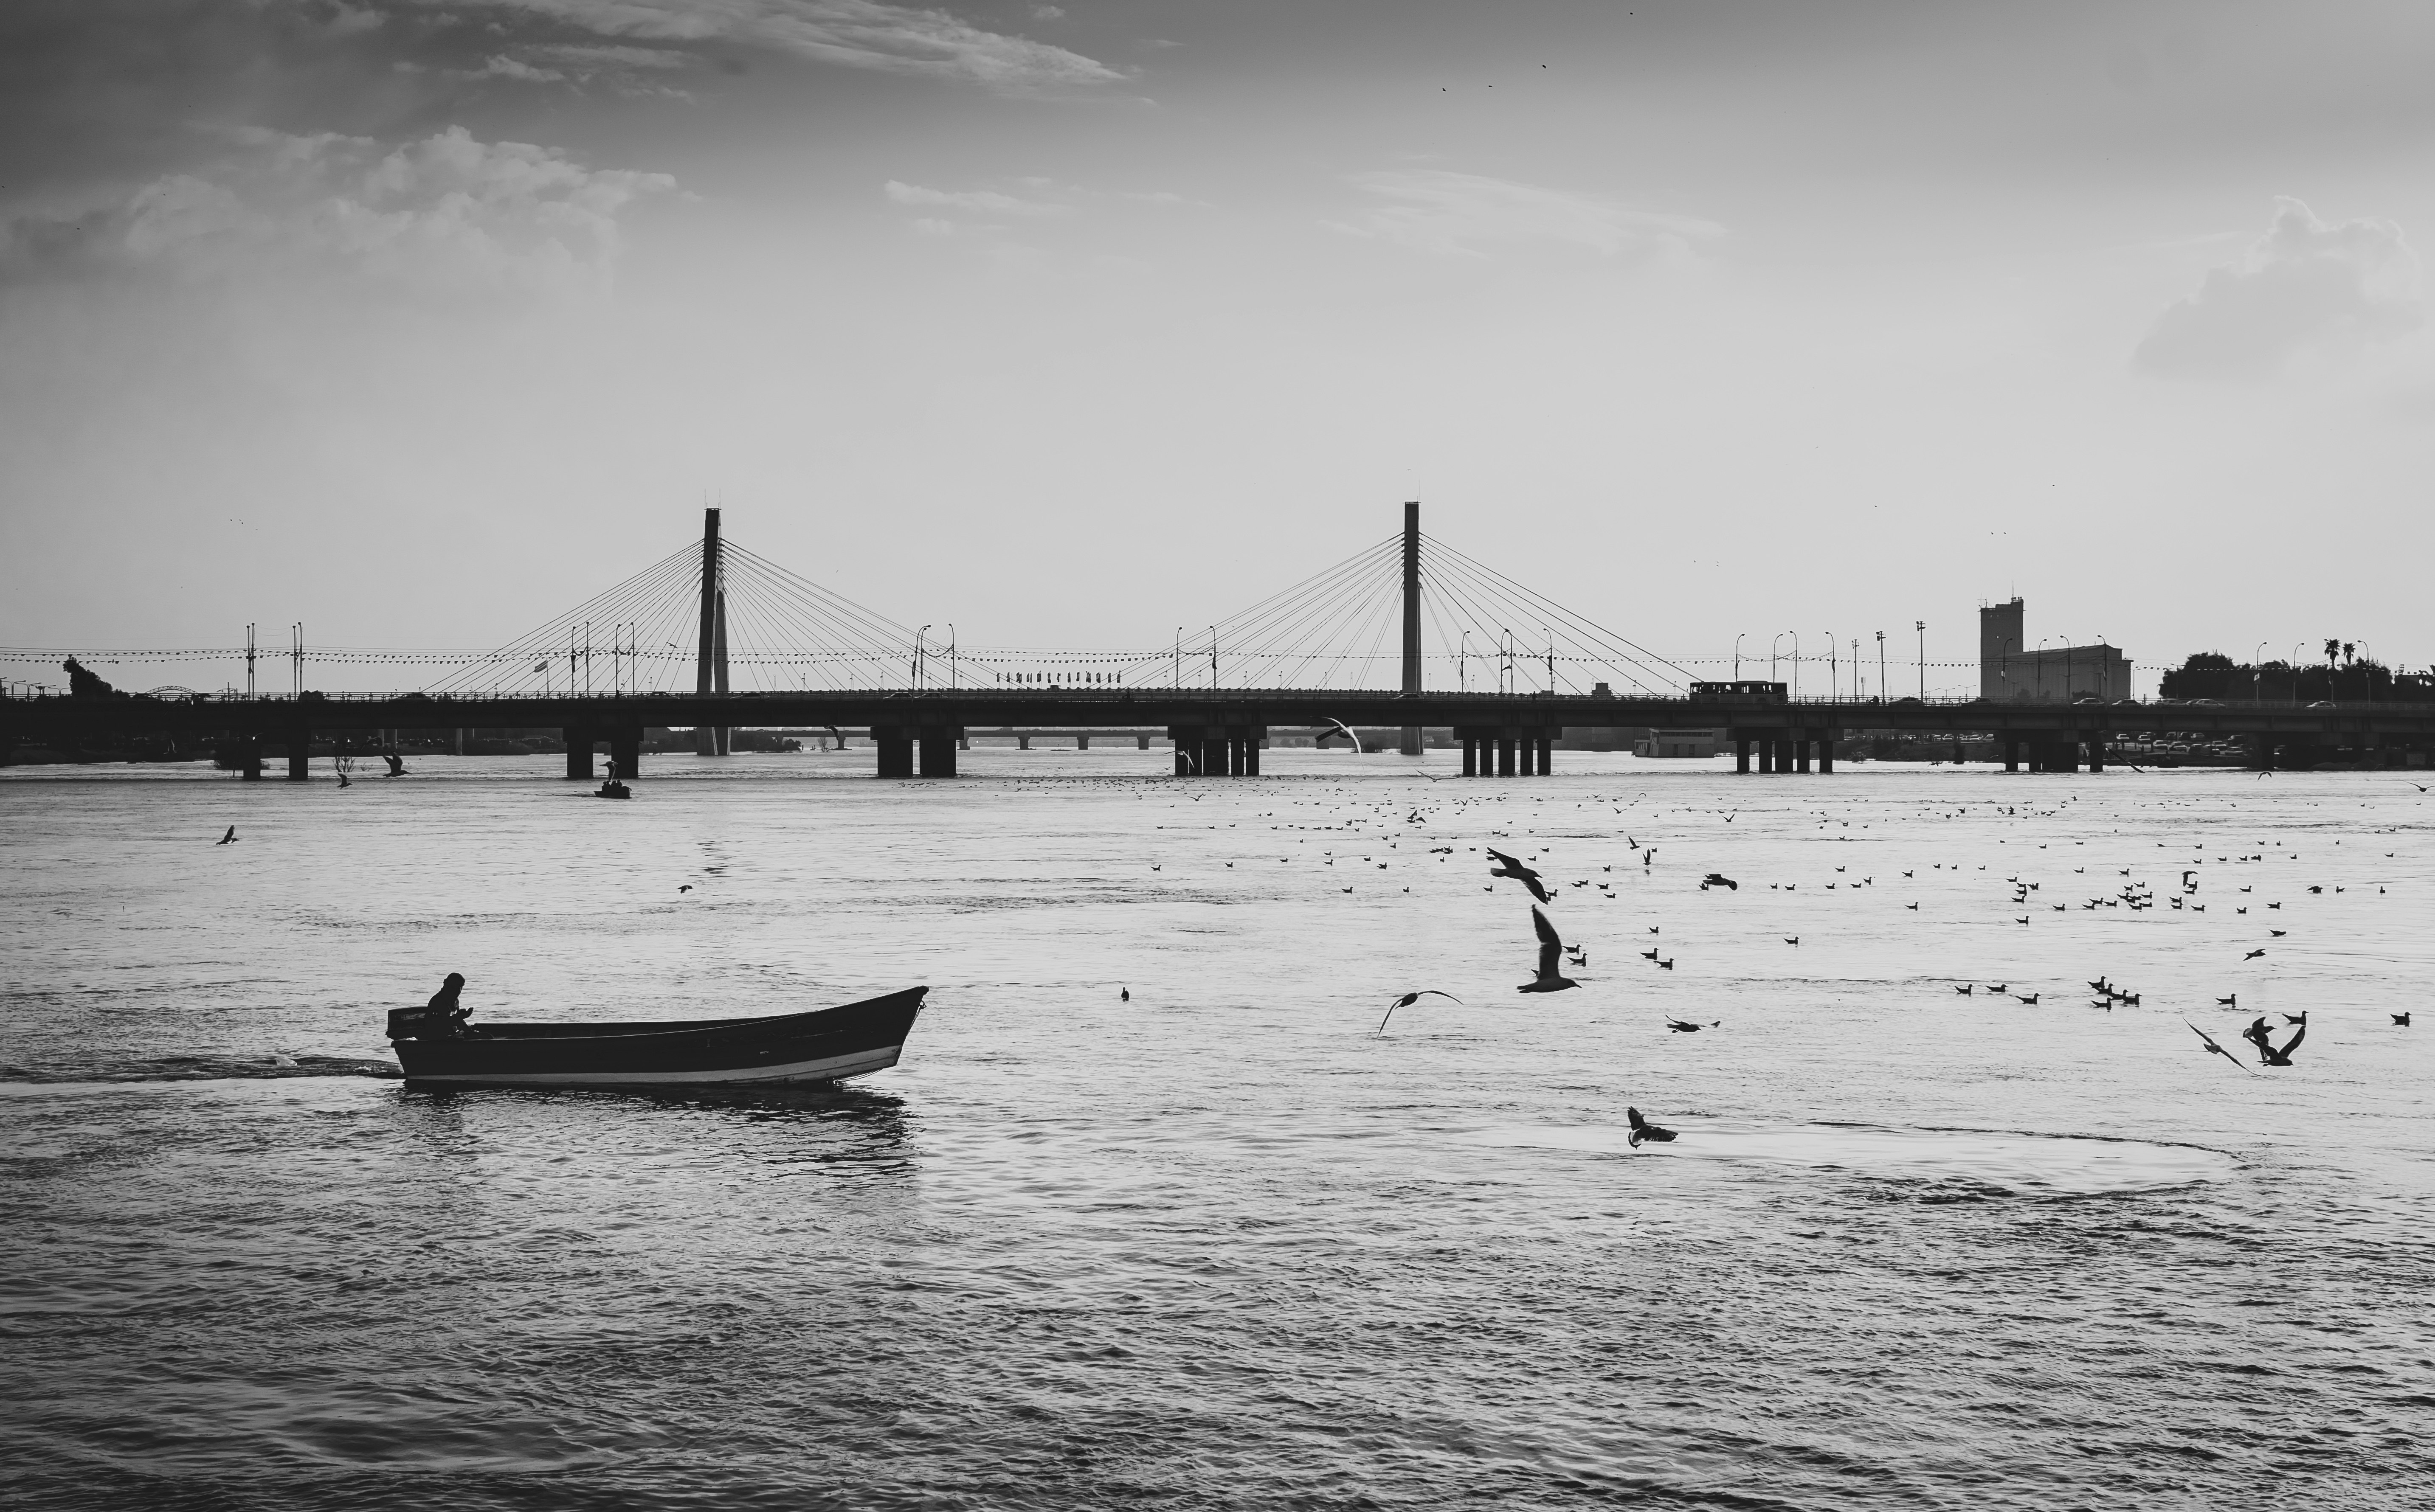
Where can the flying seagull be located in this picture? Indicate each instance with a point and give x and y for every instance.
(1643, 1129)
(2214, 1049)
(1682, 1027)
(229, 838)
(1507, 866)
(2267, 1054)
(1348, 735)
(2254, 955)
(1551, 950)
(1410, 998)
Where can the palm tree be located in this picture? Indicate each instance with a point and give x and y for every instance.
(2350, 652)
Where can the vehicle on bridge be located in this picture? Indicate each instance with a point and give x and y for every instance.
(1760, 692)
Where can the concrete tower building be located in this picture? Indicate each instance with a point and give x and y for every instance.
(2012, 671)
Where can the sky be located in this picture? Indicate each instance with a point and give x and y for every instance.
(419, 321)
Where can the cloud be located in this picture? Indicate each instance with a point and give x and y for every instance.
(447, 214)
(1465, 215)
(979, 201)
(2304, 287)
(500, 66)
(852, 33)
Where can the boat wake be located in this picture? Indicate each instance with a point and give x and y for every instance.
(1985, 1162)
(204, 1067)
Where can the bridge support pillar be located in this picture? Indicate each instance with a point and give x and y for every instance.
(1547, 750)
(1800, 754)
(1765, 757)
(300, 754)
(1741, 755)
(895, 752)
(1143, 743)
(2096, 754)
(1022, 742)
(626, 753)
(1470, 756)
(579, 752)
(938, 752)
(248, 761)
(2011, 754)
(1081, 743)
(1504, 756)
(1827, 755)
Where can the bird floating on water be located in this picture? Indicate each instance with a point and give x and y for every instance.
(1643, 1129)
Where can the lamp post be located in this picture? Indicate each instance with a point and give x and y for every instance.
(918, 636)
(1921, 626)
(2004, 667)
(1551, 659)
(2104, 675)
(1881, 664)
(2042, 666)
(1834, 684)
(1462, 663)
(1772, 673)
(2258, 676)
(1858, 677)
(2295, 672)
(951, 655)
(1796, 662)
(1738, 657)
(1213, 659)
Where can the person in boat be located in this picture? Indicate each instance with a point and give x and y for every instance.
(444, 1017)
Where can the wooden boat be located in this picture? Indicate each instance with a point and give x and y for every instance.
(824, 1045)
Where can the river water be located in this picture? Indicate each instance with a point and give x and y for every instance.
(1224, 1243)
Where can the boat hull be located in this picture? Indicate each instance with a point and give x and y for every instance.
(795, 1049)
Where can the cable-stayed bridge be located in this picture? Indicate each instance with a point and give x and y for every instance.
(1407, 634)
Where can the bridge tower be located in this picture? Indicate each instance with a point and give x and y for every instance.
(1411, 744)
(710, 663)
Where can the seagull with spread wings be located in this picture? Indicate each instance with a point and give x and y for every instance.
(1410, 998)
(1551, 950)
(1507, 866)
(2214, 1049)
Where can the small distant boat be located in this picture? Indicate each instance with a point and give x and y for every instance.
(613, 788)
(790, 1049)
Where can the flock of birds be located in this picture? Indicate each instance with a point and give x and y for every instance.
(1554, 956)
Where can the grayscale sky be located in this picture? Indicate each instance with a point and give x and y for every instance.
(419, 320)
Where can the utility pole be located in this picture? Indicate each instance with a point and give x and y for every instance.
(1411, 743)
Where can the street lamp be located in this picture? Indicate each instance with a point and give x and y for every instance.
(1921, 626)
(1772, 674)
(2042, 668)
(1796, 662)
(2256, 675)
(1737, 654)
(1213, 659)
(1462, 663)
(1881, 665)
(1832, 686)
(918, 637)
(2295, 672)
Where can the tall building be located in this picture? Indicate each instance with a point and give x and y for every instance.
(2012, 670)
